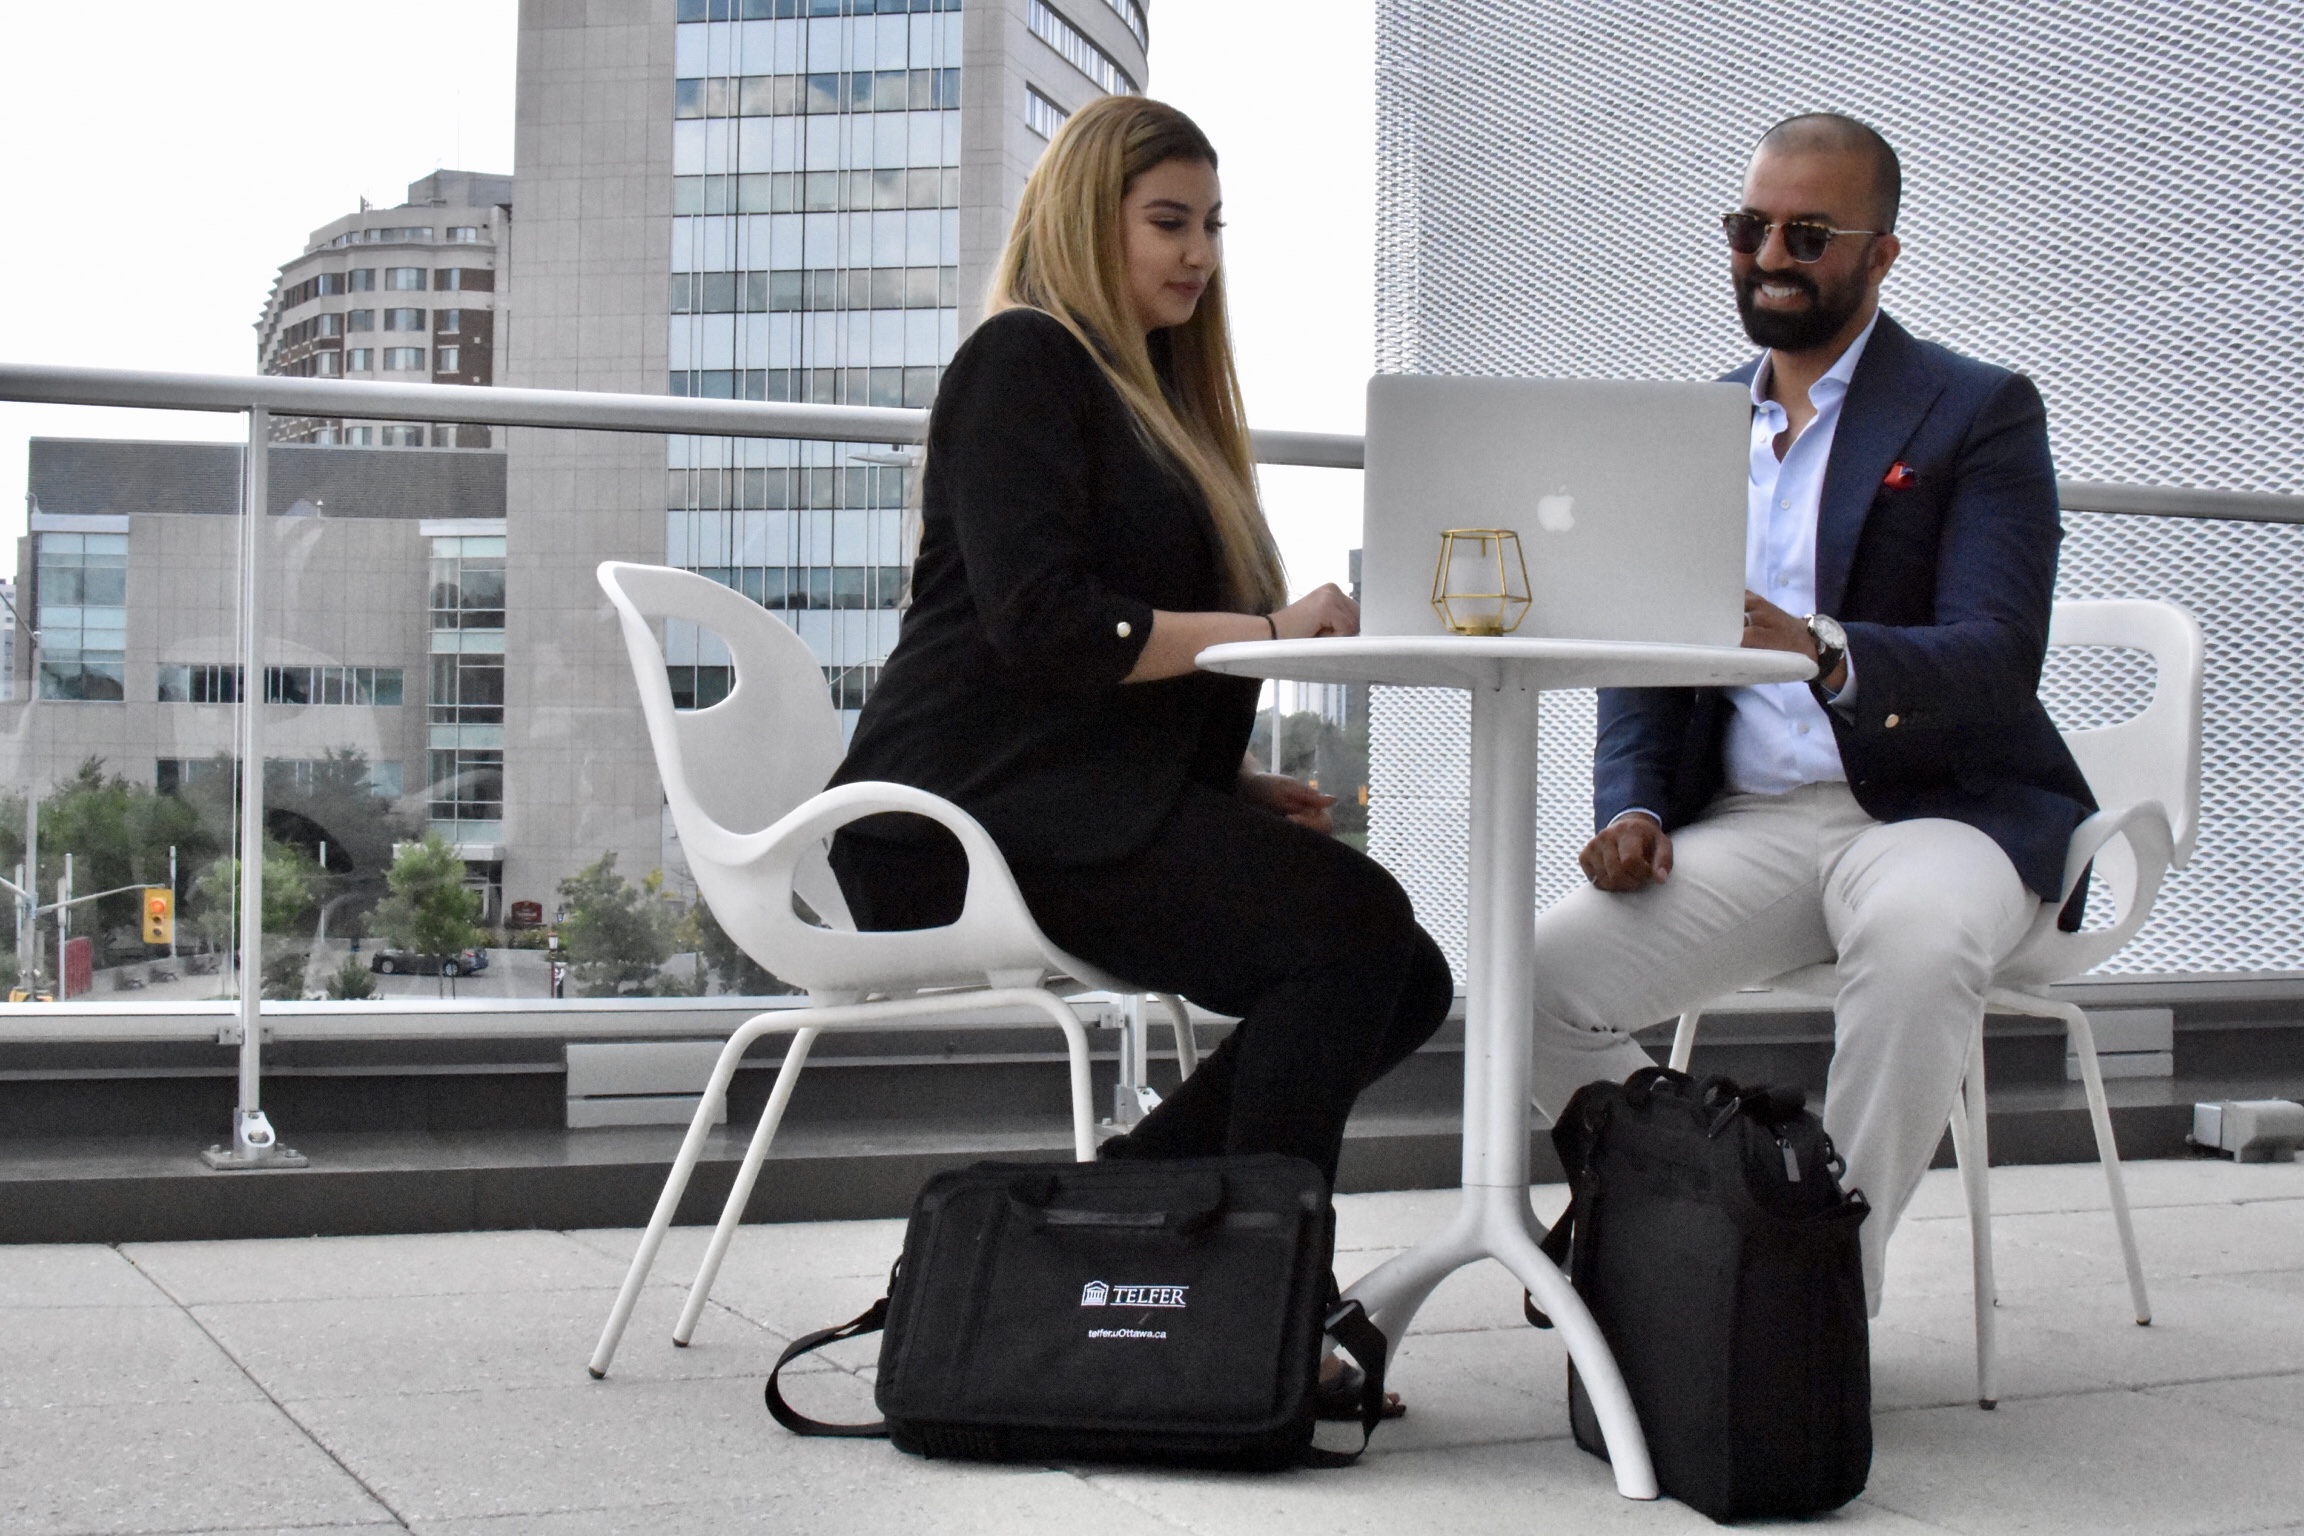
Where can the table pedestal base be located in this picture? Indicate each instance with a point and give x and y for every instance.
(1495, 1221)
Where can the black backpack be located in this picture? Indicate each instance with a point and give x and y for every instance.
(1708, 1233)
(1136, 1311)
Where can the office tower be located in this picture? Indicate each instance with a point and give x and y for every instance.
(744, 199)
(402, 295)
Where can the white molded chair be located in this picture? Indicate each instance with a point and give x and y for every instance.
(744, 779)
(2145, 772)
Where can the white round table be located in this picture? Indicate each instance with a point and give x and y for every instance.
(1505, 675)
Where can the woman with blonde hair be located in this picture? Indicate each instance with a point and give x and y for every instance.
(1089, 524)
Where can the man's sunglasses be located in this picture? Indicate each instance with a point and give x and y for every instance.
(1804, 239)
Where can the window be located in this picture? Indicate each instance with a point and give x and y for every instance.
(403, 437)
(468, 583)
(1133, 14)
(328, 282)
(359, 437)
(699, 687)
(327, 365)
(468, 279)
(359, 359)
(404, 277)
(463, 234)
(380, 686)
(81, 583)
(360, 280)
(399, 234)
(467, 785)
(403, 359)
(1083, 55)
(444, 360)
(1041, 115)
(359, 319)
(199, 683)
(328, 325)
(403, 319)
(448, 321)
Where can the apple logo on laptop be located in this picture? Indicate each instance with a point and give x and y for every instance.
(1556, 513)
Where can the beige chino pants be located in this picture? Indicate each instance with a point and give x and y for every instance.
(1918, 915)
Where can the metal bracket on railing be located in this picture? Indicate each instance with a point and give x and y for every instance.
(233, 1033)
(253, 1146)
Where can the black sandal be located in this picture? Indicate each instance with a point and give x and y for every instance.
(1339, 1396)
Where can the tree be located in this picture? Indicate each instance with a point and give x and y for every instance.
(738, 972)
(118, 834)
(351, 982)
(288, 877)
(428, 909)
(617, 935)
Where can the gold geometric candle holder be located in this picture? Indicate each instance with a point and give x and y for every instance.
(1480, 586)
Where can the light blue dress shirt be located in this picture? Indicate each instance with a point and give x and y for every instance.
(1778, 738)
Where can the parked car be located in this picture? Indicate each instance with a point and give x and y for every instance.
(403, 962)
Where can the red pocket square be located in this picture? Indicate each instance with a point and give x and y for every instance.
(1900, 477)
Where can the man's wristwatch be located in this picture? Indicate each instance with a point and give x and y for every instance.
(1831, 644)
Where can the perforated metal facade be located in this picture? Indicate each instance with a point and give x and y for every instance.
(2100, 194)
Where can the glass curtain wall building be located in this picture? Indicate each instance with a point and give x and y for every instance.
(815, 257)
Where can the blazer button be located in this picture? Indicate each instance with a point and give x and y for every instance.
(1123, 629)
(1893, 721)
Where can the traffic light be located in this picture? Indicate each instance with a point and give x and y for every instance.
(159, 915)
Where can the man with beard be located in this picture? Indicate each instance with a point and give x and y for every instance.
(1907, 812)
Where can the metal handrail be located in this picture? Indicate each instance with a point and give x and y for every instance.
(600, 411)
(489, 405)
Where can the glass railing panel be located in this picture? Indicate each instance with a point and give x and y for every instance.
(120, 715)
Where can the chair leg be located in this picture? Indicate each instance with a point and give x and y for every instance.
(1684, 1039)
(2108, 1152)
(1083, 1094)
(1972, 1145)
(740, 1194)
(1180, 1020)
(675, 1185)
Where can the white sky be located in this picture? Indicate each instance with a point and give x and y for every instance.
(166, 167)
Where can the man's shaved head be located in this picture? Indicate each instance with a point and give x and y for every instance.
(1832, 133)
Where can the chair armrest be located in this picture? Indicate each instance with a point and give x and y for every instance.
(994, 936)
(2135, 847)
(2144, 825)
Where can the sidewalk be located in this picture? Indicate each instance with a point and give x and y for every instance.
(437, 1384)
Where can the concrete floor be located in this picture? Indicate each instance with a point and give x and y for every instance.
(437, 1384)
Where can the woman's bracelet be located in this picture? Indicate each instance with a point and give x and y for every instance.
(1273, 625)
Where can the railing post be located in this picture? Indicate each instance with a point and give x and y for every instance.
(253, 1143)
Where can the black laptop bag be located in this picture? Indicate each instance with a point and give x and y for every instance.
(1126, 1311)
(1709, 1235)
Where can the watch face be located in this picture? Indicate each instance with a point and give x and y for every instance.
(1828, 632)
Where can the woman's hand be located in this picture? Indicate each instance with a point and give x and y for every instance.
(1292, 799)
(1324, 611)
(1177, 639)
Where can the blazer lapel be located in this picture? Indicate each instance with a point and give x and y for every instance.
(1887, 399)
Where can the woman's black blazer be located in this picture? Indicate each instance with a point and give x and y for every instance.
(1049, 534)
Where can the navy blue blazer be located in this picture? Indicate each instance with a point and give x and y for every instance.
(1944, 578)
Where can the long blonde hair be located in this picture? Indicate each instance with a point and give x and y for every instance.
(1065, 257)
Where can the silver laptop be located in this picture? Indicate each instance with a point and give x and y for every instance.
(1628, 498)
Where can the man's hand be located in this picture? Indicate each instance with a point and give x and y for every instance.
(1769, 628)
(1628, 854)
(1293, 799)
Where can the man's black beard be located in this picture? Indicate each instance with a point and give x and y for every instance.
(1799, 330)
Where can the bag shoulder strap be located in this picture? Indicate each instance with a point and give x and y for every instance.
(1349, 1326)
(871, 1320)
